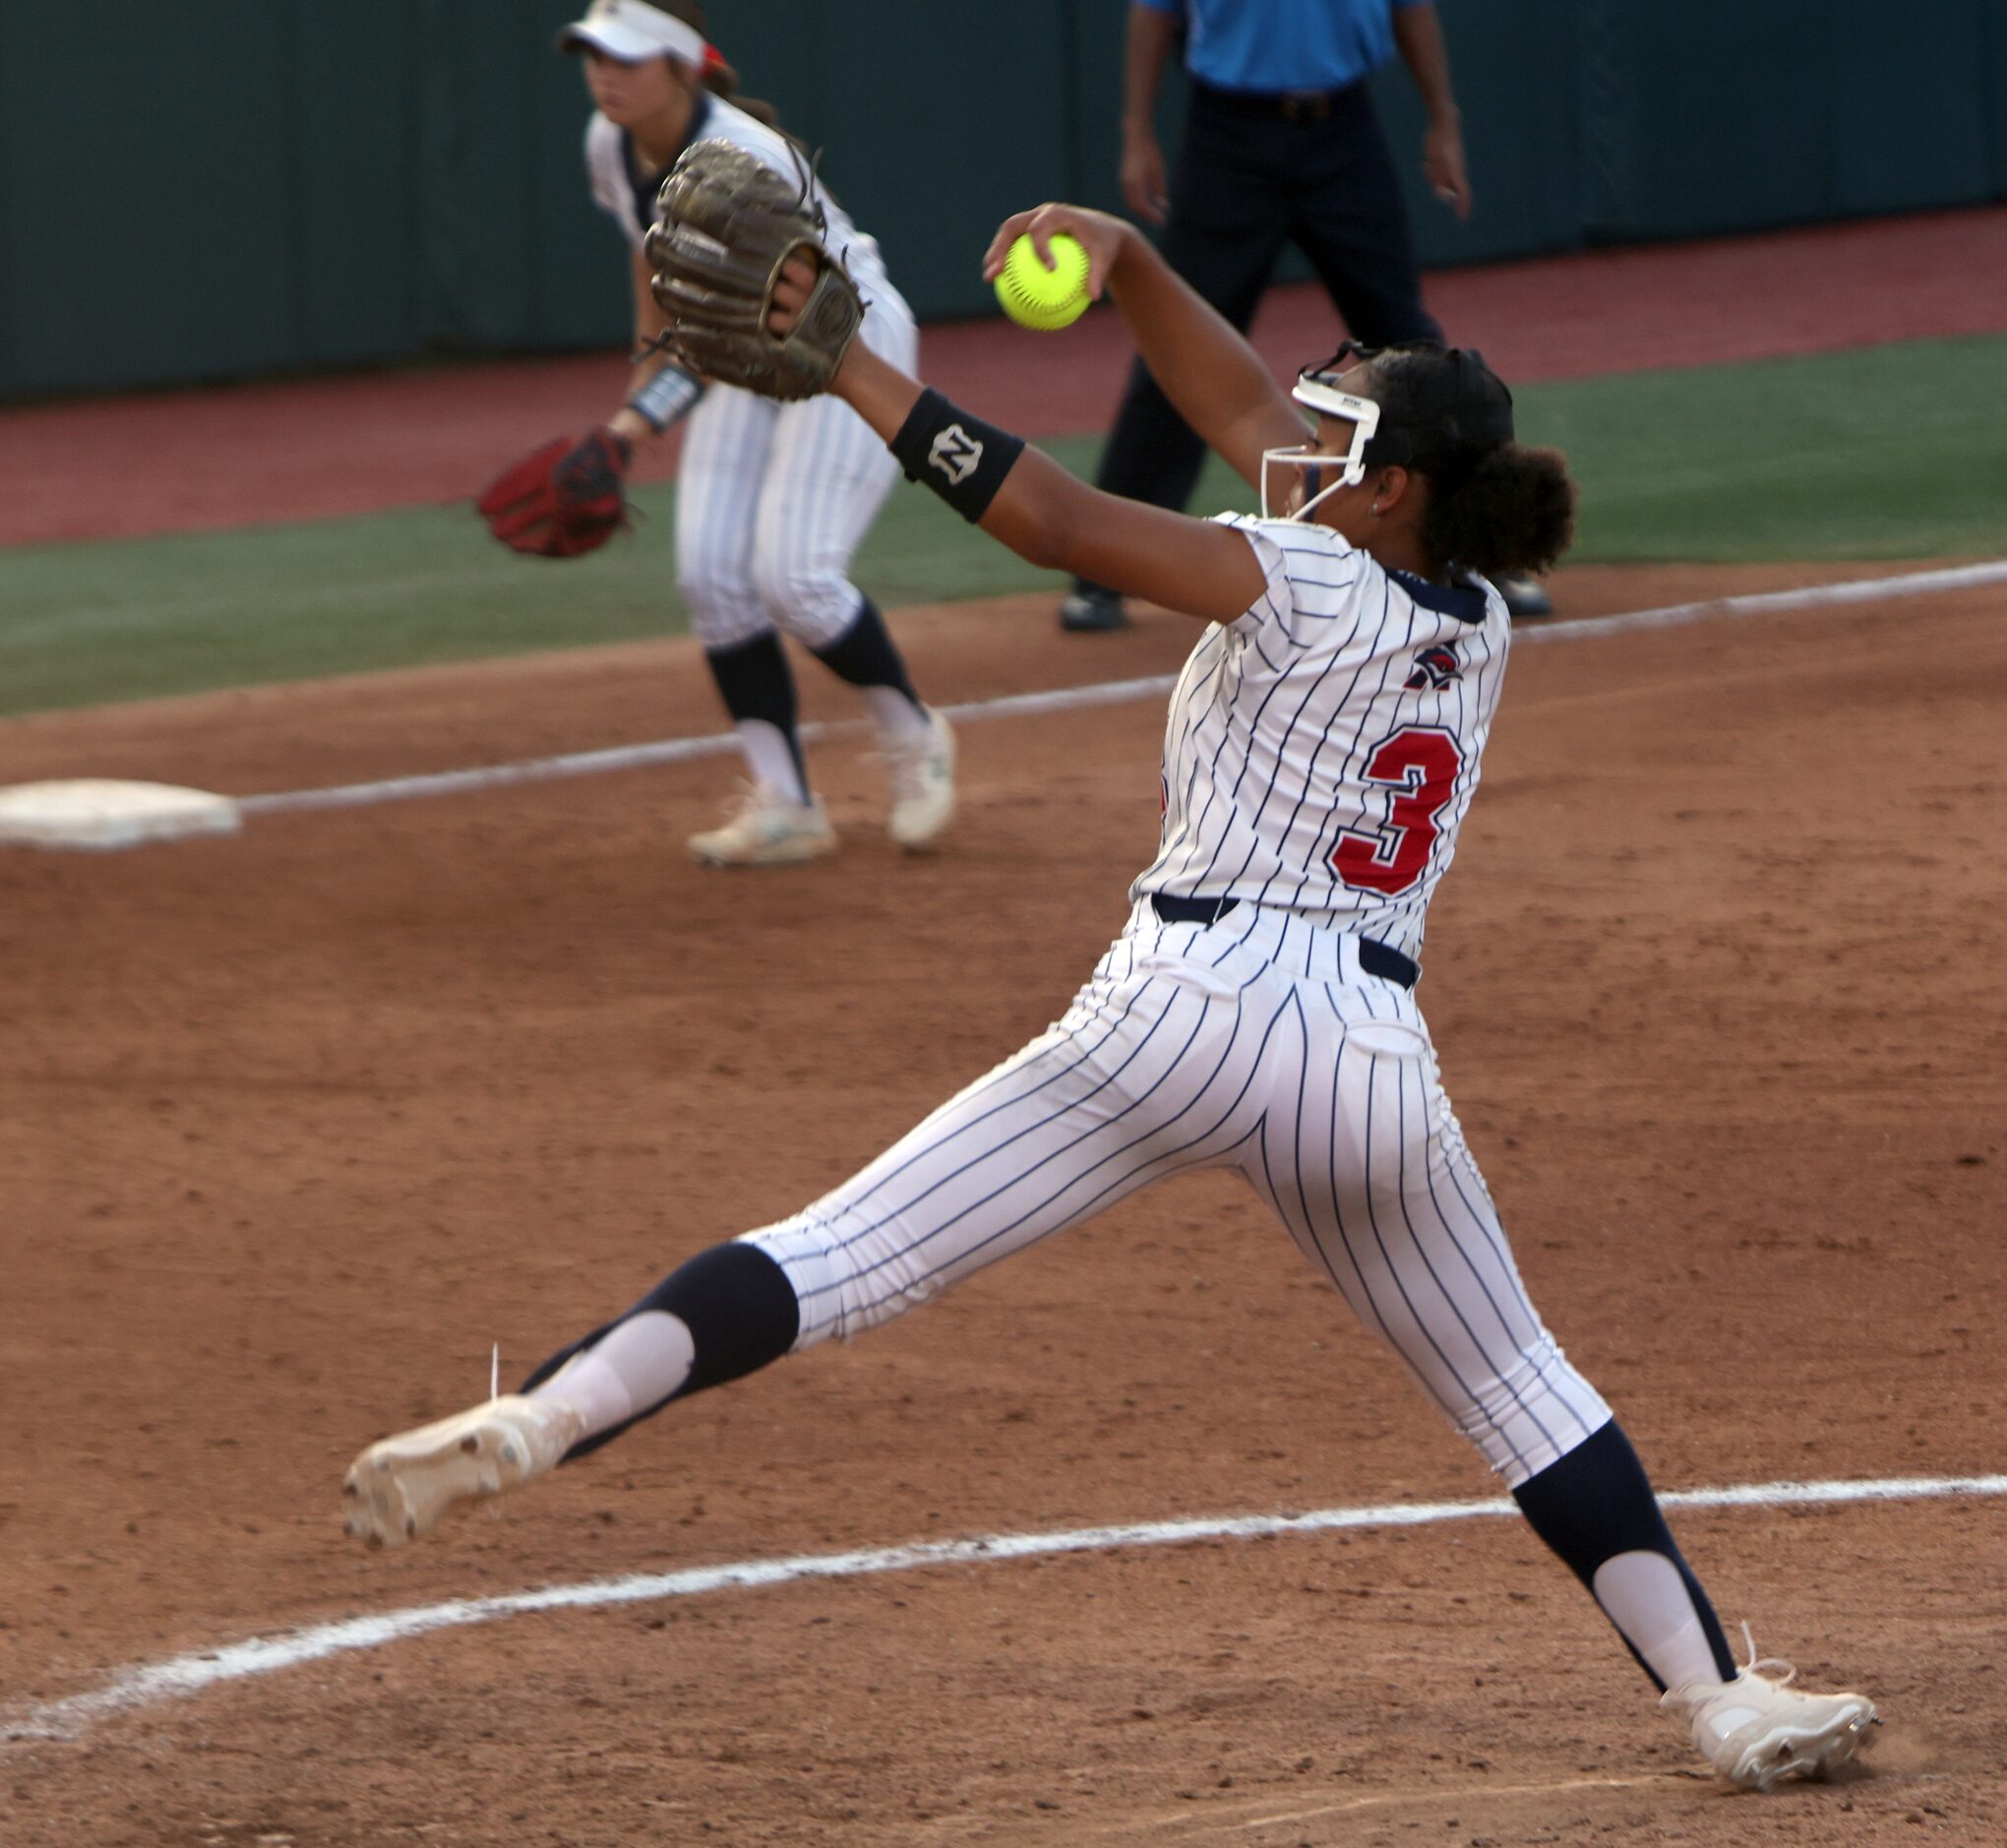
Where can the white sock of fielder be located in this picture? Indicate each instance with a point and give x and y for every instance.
(758, 687)
(866, 656)
(898, 720)
(770, 758)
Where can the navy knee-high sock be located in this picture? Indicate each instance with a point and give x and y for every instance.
(758, 686)
(866, 656)
(741, 1312)
(1596, 1504)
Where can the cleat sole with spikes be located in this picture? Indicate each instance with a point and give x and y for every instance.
(400, 1488)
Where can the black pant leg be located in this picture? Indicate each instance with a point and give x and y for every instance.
(1350, 219)
(1223, 235)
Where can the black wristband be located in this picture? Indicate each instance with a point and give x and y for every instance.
(962, 459)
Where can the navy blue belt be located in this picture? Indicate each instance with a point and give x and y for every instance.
(1374, 958)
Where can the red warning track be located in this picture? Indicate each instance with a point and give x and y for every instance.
(249, 454)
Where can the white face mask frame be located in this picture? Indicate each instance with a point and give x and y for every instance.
(1363, 413)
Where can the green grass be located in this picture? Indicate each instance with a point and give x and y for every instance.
(138, 618)
(1896, 452)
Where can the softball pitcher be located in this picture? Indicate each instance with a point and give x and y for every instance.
(773, 499)
(1257, 1012)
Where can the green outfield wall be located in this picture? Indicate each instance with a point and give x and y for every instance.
(237, 187)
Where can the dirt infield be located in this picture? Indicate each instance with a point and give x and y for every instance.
(298, 1122)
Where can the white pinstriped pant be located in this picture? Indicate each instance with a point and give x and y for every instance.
(1255, 1043)
(774, 499)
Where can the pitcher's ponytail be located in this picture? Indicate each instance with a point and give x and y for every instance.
(1509, 510)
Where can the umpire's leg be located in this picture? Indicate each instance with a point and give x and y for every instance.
(1351, 221)
(1228, 218)
(1349, 218)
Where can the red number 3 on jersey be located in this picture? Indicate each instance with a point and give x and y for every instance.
(1421, 765)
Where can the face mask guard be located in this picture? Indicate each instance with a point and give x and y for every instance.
(1315, 390)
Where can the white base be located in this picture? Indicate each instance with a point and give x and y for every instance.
(100, 813)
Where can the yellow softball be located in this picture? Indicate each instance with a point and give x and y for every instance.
(1037, 297)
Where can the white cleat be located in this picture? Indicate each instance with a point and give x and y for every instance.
(923, 785)
(398, 1488)
(1757, 1728)
(766, 829)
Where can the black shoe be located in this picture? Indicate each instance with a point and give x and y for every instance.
(1524, 596)
(1092, 611)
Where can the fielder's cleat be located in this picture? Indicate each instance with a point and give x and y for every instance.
(923, 785)
(1757, 1729)
(398, 1488)
(766, 829)
(1092, 612)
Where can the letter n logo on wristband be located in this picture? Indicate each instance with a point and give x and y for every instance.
(956, 453)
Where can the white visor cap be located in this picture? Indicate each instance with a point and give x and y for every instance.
(631, 31)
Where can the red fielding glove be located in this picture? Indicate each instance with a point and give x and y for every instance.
(568, 497)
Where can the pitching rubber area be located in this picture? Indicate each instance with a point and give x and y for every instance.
(1137, 1539)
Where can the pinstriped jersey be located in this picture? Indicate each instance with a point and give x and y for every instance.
(1324, 746)
(629, 198)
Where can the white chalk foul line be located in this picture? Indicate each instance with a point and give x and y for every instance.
(1103, 693)
(677, 751)
(1772, 602)
(152, 1683)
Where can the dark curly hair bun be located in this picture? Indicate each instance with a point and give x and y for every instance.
(1509, 509)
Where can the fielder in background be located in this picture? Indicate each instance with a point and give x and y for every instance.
(1282, 144)
(773, 499)
(1257, 1012)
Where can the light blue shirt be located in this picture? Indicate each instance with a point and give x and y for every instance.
(1284, 44)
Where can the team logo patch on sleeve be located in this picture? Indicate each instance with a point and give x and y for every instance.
(1435, 667)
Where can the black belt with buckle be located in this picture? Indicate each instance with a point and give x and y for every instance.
(1374, 958)
(1277, 106)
